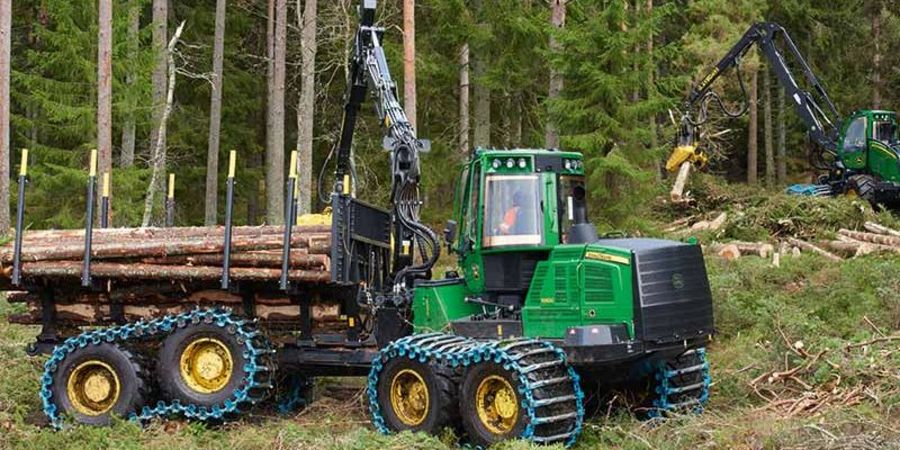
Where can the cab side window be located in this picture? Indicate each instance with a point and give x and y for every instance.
(471, 209)
(855, 138)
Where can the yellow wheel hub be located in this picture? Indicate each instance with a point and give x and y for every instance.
(93, 388)
(495, 401)
(409, 397)
(206, 365)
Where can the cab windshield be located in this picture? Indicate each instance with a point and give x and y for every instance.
(512, 210)
(885, 132)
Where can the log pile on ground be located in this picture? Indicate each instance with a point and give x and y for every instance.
(846, 244)
(145, 271)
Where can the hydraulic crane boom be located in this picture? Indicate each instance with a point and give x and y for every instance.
(820, 122)
(369, 72)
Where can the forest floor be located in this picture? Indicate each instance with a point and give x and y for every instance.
(807, 356)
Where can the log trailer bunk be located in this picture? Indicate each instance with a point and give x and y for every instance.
(859, 155)
(499, 351)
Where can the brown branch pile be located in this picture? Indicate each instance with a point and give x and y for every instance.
(792, 390)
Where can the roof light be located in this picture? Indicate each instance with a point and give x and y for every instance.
(510, 163)
(522, 163)
(568, 164)
(496, 164)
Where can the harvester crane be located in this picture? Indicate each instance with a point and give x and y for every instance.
(860, 152)
(369, 72)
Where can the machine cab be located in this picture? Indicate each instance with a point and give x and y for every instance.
(512, 208)
(867, 137)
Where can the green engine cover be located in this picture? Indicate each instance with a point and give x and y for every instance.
(579, 285)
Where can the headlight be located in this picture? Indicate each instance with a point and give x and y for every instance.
(496, 164)
(522, 163)
(510, 163)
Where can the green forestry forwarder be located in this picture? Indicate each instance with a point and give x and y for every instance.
(543, 319)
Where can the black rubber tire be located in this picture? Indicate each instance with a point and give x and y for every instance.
(133, 387)
(441, 393)
(172, 385)
(863, 186)
(476, 432)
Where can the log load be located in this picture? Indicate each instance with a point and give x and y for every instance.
(148, 272)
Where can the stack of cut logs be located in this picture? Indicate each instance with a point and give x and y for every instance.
(170, 258)
(190, 253)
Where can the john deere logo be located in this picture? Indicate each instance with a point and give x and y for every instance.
(677, 281)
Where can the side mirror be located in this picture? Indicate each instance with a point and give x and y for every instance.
(450, 233)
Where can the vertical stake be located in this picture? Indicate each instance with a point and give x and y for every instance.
(89, 220)
(20, 220)
(104, 202)
(229, 206)
(290, 213)
(170, 202)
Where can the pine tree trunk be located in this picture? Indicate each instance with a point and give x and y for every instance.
(651, 93)
(126, 157)
(557, 20)
(767, 127)
(516, 133)
(463, 134)
(5, 52)
(876, 56)
(306, 109)
(270, 94)
(275, 154)
(104, 90)
(752, 132)
(160, 73)
(215, 118)
(409, 60)
(481, 136)
(781, 173)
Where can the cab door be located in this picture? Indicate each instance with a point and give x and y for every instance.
(853, 146)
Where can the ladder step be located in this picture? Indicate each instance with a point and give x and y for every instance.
(554, 400)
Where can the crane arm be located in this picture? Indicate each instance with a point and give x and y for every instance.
(820, 121)
(369, 73)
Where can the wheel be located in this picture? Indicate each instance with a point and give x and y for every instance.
(490, 405)
(201, 364)
(681, 384)
(294, 391)
(862, 186)
(415, 396)
(97, 382)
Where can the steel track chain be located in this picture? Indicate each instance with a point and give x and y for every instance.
(669, 384)
(259, 366)
(453, 351)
